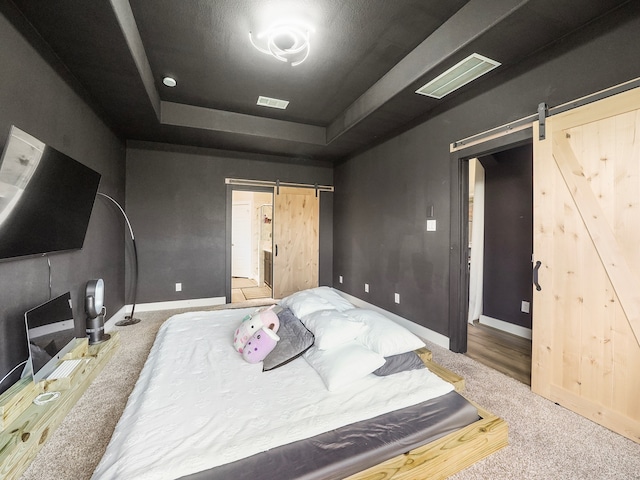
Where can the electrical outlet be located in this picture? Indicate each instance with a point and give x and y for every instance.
(340, 279)
(524, 307)
(178, 287)
(397, 297)
(366, 288)
(431, 225)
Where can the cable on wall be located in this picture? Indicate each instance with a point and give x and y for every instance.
(49, 265)
(129, 319)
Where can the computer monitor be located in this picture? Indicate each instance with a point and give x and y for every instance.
(51, 335)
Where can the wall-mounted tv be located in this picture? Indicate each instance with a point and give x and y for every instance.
(46, 198)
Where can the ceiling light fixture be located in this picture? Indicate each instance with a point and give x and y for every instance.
(463, 72)
(169, 81)
(285, 41)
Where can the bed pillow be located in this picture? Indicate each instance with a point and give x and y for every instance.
(332, 328)
(400, 363)
(342, 366)
(303, 303)
(384, 336)
(295, 339)
(334, 298)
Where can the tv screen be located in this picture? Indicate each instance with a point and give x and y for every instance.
(50, 332)
(46, 198)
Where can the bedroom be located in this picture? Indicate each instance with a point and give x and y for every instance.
(180, 218)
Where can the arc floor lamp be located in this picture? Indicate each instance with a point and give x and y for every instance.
(128, 319)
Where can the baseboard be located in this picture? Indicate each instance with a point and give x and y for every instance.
(419, 330)
(194, 302)
(156, 306)
(523, 332)
(116, 317)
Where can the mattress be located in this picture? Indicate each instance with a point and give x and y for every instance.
(198, 405)
(337, 454)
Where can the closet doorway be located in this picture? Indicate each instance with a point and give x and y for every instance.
(251, 245)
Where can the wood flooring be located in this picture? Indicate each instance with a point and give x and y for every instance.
(246, 289)
(502, 351)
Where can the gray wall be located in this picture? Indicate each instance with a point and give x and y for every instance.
(37, 100)
(508, 234)
(383, 195)
(177, 200)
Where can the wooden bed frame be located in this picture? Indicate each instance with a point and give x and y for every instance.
(449, 454)
(24, 427)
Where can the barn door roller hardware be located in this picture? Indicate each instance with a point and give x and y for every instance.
(543, 113)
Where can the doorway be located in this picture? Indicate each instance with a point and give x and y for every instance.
(500, 249)
(251, 245)
(489, 151)
(290, 259)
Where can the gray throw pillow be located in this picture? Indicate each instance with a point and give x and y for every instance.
(400, 363)
(295, 339)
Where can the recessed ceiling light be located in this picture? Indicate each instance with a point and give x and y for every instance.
(169, 82)
(272, 102)
(472, 67)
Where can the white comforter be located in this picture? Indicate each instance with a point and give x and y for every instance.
(198, 404)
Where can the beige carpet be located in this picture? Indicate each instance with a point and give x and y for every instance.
(547, 442)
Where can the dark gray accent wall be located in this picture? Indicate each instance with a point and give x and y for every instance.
(37, 100)
(508, 234)
(177, 203)
(383, 195)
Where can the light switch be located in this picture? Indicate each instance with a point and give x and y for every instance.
(431, 225)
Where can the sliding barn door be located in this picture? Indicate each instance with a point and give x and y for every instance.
(586, 325)
(295, 240)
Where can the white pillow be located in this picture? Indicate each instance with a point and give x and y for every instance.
(303, 303)
(332, 328)
(384, 336)
(343, 365)
(333, 297)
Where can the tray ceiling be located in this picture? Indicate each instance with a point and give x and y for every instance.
(366, 59)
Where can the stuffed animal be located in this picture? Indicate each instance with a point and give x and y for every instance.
(262, 318)
(260, 345)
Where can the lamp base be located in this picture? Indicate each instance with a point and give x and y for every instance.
(127, 321)
(104, 338)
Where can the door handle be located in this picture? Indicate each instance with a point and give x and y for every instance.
(276, 250)
(535, 275)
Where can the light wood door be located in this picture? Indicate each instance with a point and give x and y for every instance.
(586, 324)
(295, 240)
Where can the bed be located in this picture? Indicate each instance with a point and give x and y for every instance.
(332, 406)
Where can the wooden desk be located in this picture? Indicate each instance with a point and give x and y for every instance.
(25, 426)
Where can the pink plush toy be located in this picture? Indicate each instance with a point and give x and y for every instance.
(260, 345)
(264, 318)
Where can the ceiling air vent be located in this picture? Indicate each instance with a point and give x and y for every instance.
(272, 102)
(460, 74)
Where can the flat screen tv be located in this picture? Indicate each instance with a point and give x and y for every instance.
(51, 335)
(46, 198)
